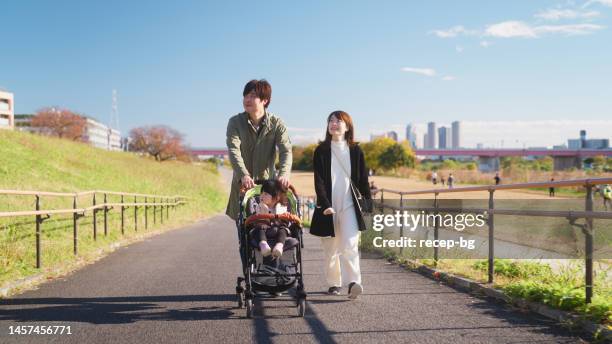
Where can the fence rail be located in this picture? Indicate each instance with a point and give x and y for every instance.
(588, 215)
(146, 201)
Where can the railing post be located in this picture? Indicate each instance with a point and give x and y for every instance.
(95, 223)
(491, 237)
(146, 214)
(401, 204)
(135, 215)
(75, 218)
(154, 211)
(122, 216)
(38, 223)
(161, 213)
(436, 230)
(588, 240)
(167, 209)
(105, 217)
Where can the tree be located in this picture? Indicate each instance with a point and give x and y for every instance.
(394, 157)
(161, 142)
(373, 149)
(62, 123)
(302, 157)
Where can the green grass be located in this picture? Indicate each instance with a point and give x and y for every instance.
(32, 162)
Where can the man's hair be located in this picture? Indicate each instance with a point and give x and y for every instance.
(262, 89)
(272, 187)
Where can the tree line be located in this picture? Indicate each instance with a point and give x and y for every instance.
(161, 142)
(380, 154)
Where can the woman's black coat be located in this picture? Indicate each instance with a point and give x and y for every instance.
(323, 225)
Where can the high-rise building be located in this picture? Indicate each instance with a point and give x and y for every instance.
(392, 135)
(456, 134)
(411, 136)
(7, 110)
(444, 138)
(425, 141)
(431, 135)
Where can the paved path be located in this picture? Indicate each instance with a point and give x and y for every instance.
(178, 287)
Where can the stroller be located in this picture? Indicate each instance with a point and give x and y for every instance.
(267, 274)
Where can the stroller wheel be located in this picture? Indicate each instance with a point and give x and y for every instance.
(301, 308)
(249, 308)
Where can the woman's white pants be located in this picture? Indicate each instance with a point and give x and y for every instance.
(342, 251)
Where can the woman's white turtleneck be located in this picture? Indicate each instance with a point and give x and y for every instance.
(341, 192)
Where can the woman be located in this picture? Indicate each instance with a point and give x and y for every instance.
(339, 162)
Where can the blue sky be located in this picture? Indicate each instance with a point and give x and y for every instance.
(184, 64)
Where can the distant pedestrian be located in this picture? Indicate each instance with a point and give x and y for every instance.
(451, 180)
(442, 180)
(434, 177)
(497, 178)
(551, 190)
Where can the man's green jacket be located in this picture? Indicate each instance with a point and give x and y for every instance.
(252, 152)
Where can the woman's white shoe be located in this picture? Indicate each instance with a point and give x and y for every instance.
(355, 289)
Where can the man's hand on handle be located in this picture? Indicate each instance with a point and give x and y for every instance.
(284, 181)
(247, 182)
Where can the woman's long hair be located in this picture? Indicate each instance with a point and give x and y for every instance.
(350, 132)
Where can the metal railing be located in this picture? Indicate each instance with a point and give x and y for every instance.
(588, 214)
(146, 201)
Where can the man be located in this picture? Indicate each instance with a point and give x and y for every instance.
(497, 178)
(253, 137)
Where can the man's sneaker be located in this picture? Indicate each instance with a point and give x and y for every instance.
(264, 248)
(355, 289)
(278, 250)
(334, 291)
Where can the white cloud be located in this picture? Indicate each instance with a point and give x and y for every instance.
(423, 71)
(558, 14)
(602, 2)
(511, 29)
(448, 78)
(485, 44)
(454, 32)
(459, 49)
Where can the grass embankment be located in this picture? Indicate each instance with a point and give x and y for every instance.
(559, 288)
(32, 162)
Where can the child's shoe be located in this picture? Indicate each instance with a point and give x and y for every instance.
(278, 250)
(264, 248)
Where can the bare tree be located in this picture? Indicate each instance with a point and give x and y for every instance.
(62, 123)
(161, 142)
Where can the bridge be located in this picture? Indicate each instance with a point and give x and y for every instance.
(488, 159)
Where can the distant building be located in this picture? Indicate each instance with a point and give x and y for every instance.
(7, 110)
(96, 134)
(456, 134)
(23, 122)
(101, 136)
(479, 146)
(584, 143)
(411, 136)
(392, 135)
(431, 135)
(425, 141)
(444, 138)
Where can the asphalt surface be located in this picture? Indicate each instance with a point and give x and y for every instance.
(179, 287)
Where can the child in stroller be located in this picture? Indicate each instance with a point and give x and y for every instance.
(275, 220)
(270, 199)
